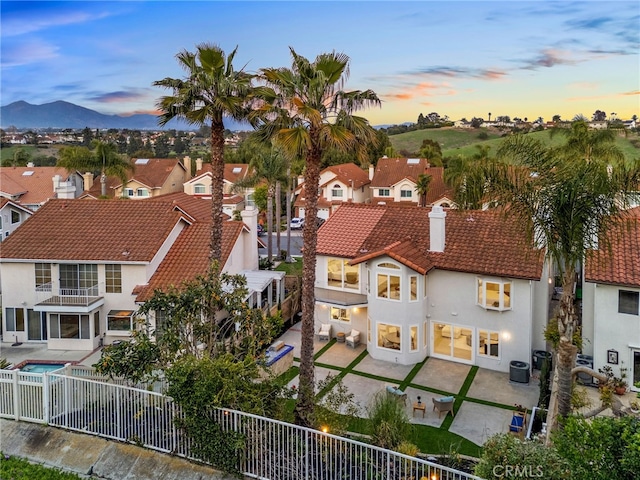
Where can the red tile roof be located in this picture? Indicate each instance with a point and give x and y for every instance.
(390, 171)
(35, 188)
(617, 263)
(189, 257)
(234, 171)
(481, 242)
(93, 230)
(197, 208)
(152, 172)
(349, 174)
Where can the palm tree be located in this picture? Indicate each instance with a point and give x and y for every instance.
(211, 90)
(564, 197)
(306, 112)
(103, 158)
(269, 167)
(422, 187)
(467, 177)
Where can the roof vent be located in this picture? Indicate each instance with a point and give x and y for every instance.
(142, 161)
(28, 173)
(413, 161)
(236, 169)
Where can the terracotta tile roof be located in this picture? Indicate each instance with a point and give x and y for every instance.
(35, 188)
(152, 172)
(322, 201)
(197, 208)
(438, 189)
(349, 174)
(5, 201)
(619, 262)
(390, 171)
(481, 242)
(234, 171)
(96, 189)
(189, 257)
(93, 230)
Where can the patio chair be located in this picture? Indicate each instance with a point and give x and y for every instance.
(397, 394)
(325, 332)
(353, 339)
(444, 405)
(518, 424)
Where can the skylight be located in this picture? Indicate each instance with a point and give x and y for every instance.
(28, 173)
(413, 161)
(236, 169)
(142, 161)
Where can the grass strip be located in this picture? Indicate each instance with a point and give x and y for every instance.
(460, 397)
(414, 371)
(319, 353)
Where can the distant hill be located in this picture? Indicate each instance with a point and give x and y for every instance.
(62, 114)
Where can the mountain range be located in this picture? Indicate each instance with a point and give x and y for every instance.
(61, 114)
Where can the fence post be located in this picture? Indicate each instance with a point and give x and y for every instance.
(45, 397)
(16, 395)
(306, 456)
(119, 423)
(66, 402)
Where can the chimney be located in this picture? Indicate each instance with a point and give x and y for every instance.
(198, 164)
(250, 218)
(30, 165)
(56, 182)
(437, 229)
(62, 189)
(88, 180)
(186, 161)
(371, 171)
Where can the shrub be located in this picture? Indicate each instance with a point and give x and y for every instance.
(389, 422)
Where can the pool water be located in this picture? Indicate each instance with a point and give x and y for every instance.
(41, 367)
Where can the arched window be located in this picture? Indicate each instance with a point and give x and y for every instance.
(336, 191)
(198, 188)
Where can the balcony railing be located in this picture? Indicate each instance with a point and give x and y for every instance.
(48, 294)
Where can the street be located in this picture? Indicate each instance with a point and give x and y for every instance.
(296, 243)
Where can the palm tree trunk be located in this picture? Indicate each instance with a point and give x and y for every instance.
(269, 224)
(278, 217)
(304, 410)
(289, 194)
(217, 176)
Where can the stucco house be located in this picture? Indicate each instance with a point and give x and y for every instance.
(394, 181)
(611, 300)
(339, 184)
(32, 186)
(418, 282)
(12, 215)
(73, 276)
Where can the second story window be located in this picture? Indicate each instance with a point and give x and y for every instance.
(142, 192)
(128, 192)
(384, 192)
(406, 194)
(43, 275)
(15, 216)
(113, 278)
(494, 294)
(342, 275)
(388, 281)
(336, 191)
(74, 278)
(628, 302)
(199, 188)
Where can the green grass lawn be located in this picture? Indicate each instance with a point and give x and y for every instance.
(291, 268)
(14, 468)
(7, 153)
(463, 142)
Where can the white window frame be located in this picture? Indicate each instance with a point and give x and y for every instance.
(414, 341)
(384, 192)
(482, 348)
(199, 189)
(637, 300)
(344, 285)
(142, 192)
(121, 331)
(337, 191)
(389, 270)
(398, 336)
(340, 314)
(406, 194)
(128, 192)
(500, 304)
(413, 295)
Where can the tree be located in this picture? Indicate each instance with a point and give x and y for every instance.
(599, 116)
(467, 177)
(162, 147)
(268, 166)
(103, 158)
(422, 187)
(211, 89)
(477, 122)
(307, 111)
(87, 137)
(565, 197)
(431, 150)
(556, 119)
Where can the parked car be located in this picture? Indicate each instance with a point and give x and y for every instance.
(261, 231)
(296, 223)
(319, 221)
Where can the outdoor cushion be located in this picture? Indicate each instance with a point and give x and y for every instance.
(354, 333)
(446, 399)
(516, 423)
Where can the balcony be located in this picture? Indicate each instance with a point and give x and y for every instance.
(340, 297)
(50, 297)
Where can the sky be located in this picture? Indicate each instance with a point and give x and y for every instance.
(457, 58)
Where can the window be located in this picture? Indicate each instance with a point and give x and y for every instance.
(113, 278)
(198, 188)
(120, 320)
(628, 302)
(128, 192)
(388, 284)
(161, 321)
(413, 288)
(406, 193)
(340, 314)
(96, 324)
(69, 326)
(79, 279)
(43, 276)
(384, 192)
(414, 338)
(142, 192)
(15, 319)
(15, 216)
(342, 275)
(424, 335)
(488, 343)
(494, 294)
(389, 336)
(336, 191)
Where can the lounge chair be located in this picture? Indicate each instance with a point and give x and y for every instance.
(444, 404)
(325, 332)
(397, 394)
(518, 424)
(353, 339)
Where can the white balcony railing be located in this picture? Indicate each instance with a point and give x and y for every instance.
(50, 295)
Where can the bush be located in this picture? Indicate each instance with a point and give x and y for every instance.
(483, 136)
(389, 421)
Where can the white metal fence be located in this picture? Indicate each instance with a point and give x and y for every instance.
(270, 449)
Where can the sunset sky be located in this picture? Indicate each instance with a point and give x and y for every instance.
(461, 59)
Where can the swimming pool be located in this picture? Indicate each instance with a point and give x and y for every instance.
(34, 367)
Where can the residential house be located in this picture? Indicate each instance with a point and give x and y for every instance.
(12, 215)
(338, 184)
(32, 186)
(73, 274)
(416, 282)
(394, 181)
(611, 300)
(200, 186)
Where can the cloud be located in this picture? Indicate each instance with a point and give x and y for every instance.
(460, 72)
(21, 22)
(594, 23)
(16, 54)
(635, 92)
(117, 97)
(549, 58)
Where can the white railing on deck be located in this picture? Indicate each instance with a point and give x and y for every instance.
(272, 449)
